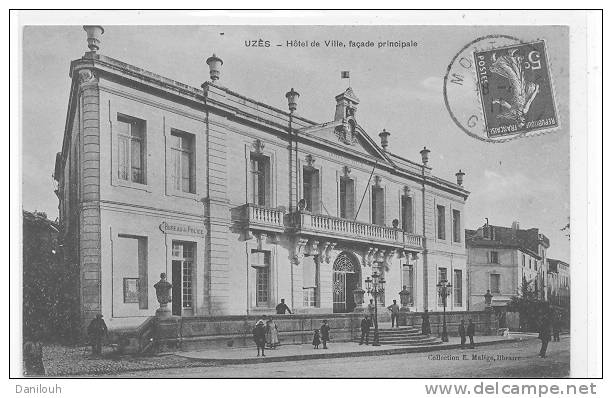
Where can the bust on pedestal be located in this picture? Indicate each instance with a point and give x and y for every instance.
(358, 298)
(404, 299)
(162, 290)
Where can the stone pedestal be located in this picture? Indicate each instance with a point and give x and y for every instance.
(163, 311)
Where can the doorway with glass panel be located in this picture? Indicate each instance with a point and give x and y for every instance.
(183, 260)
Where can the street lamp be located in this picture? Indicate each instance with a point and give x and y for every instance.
(375, 287)
(444, 291)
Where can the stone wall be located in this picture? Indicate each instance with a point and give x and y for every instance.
(236, 331)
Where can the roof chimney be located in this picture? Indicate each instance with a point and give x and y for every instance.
(515, 225)
(93, 36)
(384, 139)
(214, 64)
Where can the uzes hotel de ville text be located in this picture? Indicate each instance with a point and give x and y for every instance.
(242, 204)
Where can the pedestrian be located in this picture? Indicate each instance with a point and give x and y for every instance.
(366, 323)
(395, 309)
(462, 333)
(272, 334)
(556, 329)
(325, 334)
(371, 308)
(282, 308)
(425, 325)
(316, 340)
(33, 359)
(96, 331)
(544, 335)
(259, 335)
(471, 329)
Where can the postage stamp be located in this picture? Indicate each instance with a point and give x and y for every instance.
(515, 89)
(498, 88)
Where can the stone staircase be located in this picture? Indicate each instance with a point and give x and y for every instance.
(404, 335)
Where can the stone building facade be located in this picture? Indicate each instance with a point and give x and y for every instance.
(242, 204)
(558, 283)
(500, 258)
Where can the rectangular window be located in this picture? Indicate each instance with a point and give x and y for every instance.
(408, 281)
(310, 188)
(494, 280)
(378, 206)
(183, 165)
(407, 223)
(183, 257)
(310, 281)
(347, 198)
(493, 257)
(131, 149)
(442, 276)
(523, 260)
(260, 179)
(458, 287)
(441, 222)
(132, 261)
(260, 260)
(456, 226)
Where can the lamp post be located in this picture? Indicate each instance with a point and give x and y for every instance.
(444, 291)
(375, 287)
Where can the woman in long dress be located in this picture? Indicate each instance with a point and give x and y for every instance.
(272, 334)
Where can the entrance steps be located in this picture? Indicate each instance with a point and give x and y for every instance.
(404, 335)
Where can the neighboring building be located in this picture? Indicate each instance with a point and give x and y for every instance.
(558, 283)
(44, 302)
(500, 258)
(206, 185)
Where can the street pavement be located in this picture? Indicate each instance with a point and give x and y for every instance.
(514, 359)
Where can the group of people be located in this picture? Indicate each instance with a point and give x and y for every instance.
(265, 332)
(394, 309)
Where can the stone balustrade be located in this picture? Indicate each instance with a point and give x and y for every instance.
(253, 216)
(334, 227)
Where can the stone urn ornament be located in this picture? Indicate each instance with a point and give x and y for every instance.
(162, 290)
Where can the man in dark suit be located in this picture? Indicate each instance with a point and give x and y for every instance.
(471, 329)
(462, 333)
(366, 323)
(544, 335)
(325, 334)
(282, 308)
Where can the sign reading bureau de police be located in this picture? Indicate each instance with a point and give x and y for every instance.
(181, 229)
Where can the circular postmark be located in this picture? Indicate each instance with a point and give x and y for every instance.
(498, 88)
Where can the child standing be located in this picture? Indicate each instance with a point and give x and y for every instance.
(316, 340)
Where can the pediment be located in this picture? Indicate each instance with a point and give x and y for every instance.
(346, 134)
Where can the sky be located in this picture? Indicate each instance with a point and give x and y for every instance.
(400, 90)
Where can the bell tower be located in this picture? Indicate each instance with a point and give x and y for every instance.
(346, 105)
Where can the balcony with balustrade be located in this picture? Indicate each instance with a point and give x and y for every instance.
(319, 225)
(254, 217)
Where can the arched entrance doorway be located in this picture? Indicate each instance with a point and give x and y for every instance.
(347, 277)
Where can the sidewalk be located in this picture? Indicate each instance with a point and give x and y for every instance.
(300, 352)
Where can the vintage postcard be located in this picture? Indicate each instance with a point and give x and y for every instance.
(236, 198)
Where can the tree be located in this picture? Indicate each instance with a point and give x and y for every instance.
(529, 306)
